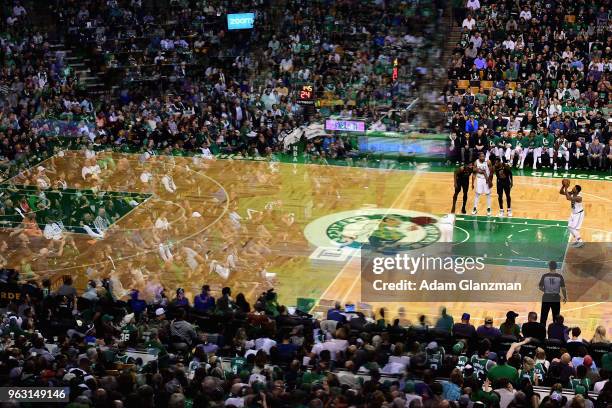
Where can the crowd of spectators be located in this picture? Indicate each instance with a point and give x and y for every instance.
(530, 80)
(183, 84)
(526, 81)
(217, 350)
(175, 78)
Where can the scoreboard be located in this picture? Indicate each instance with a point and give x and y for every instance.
(306, 95)
(306, 99)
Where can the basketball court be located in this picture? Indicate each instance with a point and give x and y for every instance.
(251, 225)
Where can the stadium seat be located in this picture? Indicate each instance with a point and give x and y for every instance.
(463, 84)
(503, 343)
(486, 85)
(529, 349)
(553, 347)
(397, 334)
(442, 337)
(597, 350)
(418, 334)
(575, 347)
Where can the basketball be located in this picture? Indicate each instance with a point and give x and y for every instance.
(565, 183)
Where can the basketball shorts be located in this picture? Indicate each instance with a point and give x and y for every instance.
(482, 187)
(575, 220)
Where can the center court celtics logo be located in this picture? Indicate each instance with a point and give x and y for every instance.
(375, 229)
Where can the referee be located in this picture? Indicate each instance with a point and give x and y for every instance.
(551, 284)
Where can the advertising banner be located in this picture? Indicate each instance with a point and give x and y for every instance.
(240, 21)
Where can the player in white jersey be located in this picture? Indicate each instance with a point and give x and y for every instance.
(483, 180)
(577, 216)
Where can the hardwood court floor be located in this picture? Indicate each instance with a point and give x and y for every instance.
(249, 218)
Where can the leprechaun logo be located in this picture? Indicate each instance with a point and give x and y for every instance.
(375, 229)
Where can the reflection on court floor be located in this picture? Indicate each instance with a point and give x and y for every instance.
(298, 227)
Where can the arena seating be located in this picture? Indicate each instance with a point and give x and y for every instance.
(549, 60)
(167, 77)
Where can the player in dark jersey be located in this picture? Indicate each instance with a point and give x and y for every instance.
(551, 284)
(504, 185)
(462, 182)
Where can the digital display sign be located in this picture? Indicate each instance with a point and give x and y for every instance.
(306, 92)
(240, 21)
(345, 125)
(306, 96)
(403, 146)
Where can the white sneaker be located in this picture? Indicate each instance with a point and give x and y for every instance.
(168, 184)
(474, 211)
(509, 212)
(221, 270)
(578, 244)
(489, 212)
(501, 212)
